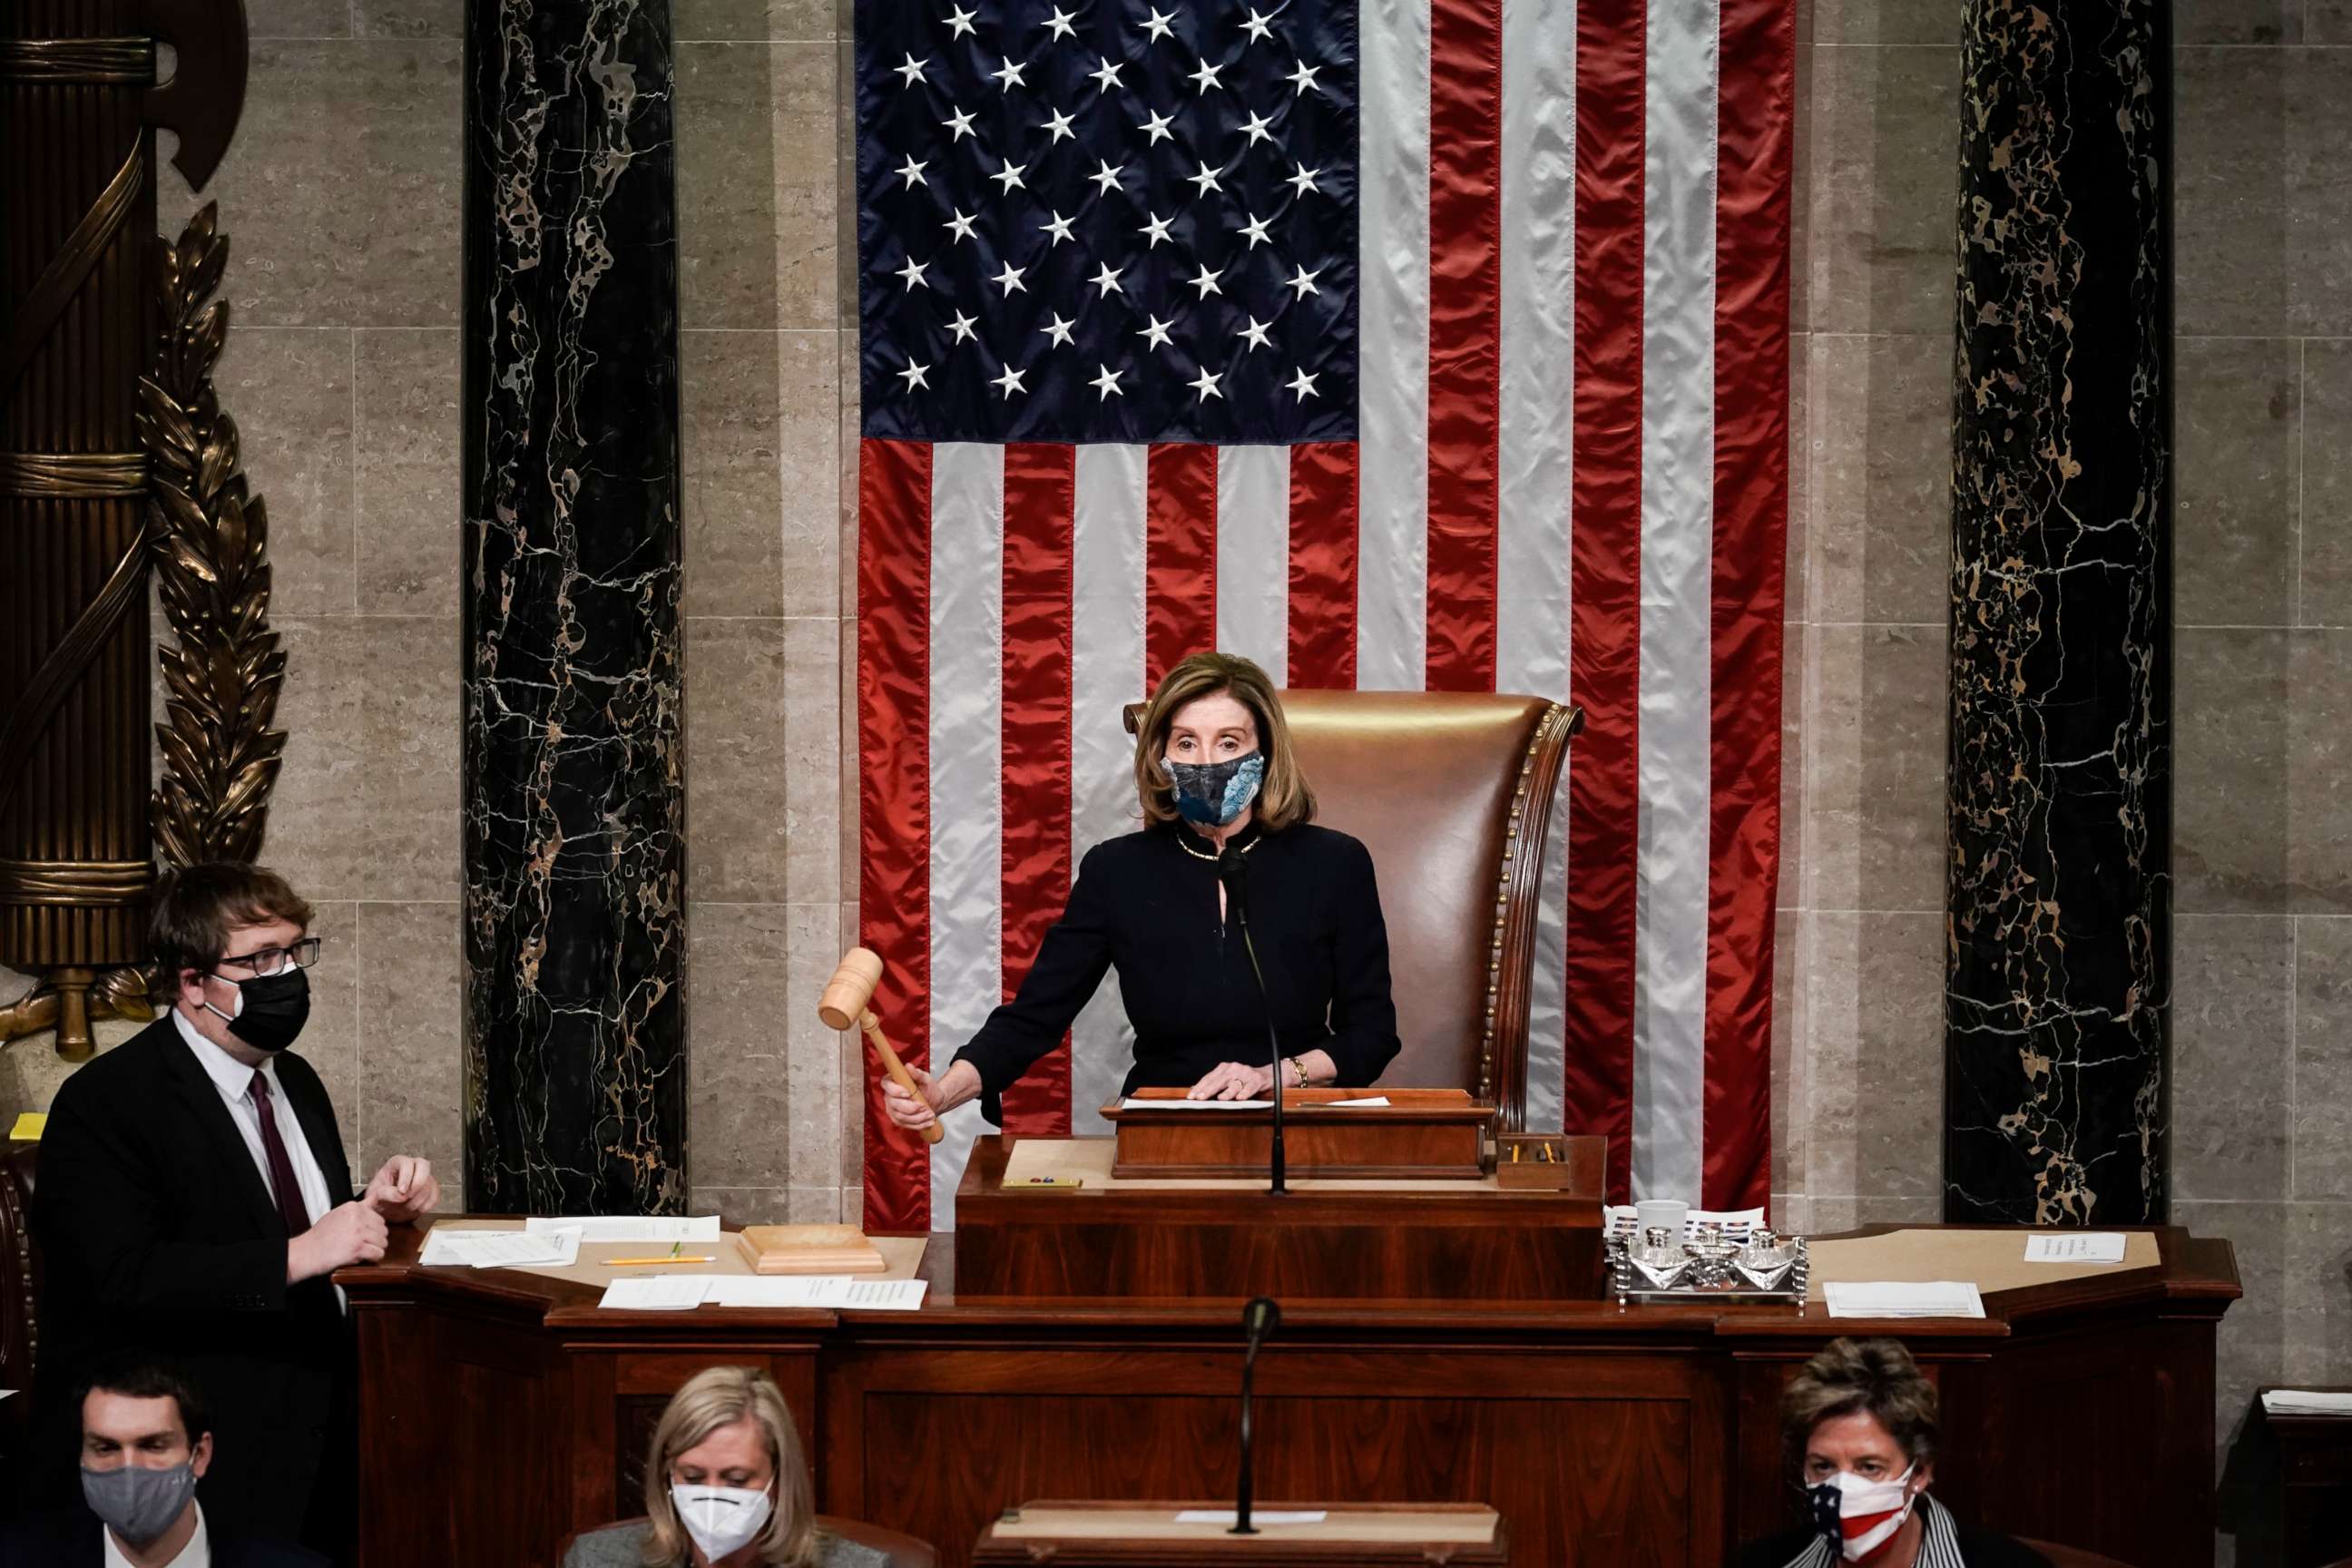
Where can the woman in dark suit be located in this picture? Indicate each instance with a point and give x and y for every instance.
(1859, 1424)
(1213, 769)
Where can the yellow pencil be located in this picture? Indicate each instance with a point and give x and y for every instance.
(652, 1262)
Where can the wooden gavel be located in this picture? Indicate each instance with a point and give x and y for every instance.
(845, 1003)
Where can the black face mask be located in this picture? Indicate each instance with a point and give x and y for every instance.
(272, 1011)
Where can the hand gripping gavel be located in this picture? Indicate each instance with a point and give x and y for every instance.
(844, 1002)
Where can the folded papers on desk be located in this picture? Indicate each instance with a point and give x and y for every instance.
(676, 1292)
(629, 1227)
(450, 1247)
(2306, 1402)
(1904, 1298)
(2074, 1246)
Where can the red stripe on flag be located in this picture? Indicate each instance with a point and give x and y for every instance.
(1040, 507)
(1180, 555)
(1323, 566)
(1751, 505)
(1605, 571)
(1466, 287)
(894, 805)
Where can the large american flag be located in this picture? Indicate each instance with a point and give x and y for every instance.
(1393, 343)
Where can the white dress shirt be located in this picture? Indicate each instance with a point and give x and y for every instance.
(234, 1081)
(196, 1554)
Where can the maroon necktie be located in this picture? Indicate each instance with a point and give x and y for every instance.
(281, 1169)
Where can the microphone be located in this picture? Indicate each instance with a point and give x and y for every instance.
(1232, 874)
(1259, 1319)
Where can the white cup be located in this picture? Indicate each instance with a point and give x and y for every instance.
(1671, 1212)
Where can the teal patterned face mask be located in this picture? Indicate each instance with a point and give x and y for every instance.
(1213, 794)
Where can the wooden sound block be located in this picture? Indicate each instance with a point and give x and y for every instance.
(810, 1249)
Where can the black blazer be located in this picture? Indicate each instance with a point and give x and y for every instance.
(1146, 905)
(158, 1235)
(73, 1540)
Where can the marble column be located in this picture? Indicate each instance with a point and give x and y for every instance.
(2057, 1002)
(573, 802)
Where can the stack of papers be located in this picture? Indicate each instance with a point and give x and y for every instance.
(1892, 1299)
(1620, 1221)
(1136, 1102)
(678, 1292)
(2306, 1402)
(556, 1247)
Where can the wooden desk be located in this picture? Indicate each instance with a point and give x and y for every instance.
(1431, 1240)
(502, 1411)
(2314, 1455)
(1146, 1535)
(1163, 1132)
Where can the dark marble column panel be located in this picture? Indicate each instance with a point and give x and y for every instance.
(2058, 998)
(575, 905)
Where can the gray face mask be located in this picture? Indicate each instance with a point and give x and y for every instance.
(139, 1504)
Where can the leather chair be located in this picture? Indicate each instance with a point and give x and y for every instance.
(19, 1268)
(2070, 1556)
(1452, 792)
(900, 1550)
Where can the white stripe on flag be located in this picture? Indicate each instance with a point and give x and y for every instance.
(1392, 348)
(1535, 446)
(1678, 596)
(1106, 673)
(967, 780)
(1254, 555)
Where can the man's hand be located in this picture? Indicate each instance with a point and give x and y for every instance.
(352, 1234)
(404, 1189)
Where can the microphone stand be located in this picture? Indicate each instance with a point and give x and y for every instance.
(1259, 1319)
(1233, 871)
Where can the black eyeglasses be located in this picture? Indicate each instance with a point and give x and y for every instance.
(272, 959)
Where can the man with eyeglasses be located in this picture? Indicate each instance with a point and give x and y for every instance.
(194, 1198)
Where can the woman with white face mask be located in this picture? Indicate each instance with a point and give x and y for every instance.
(726, 1487)
(1859, 1423)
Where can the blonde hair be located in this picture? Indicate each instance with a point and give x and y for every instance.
(1283, 799)
(720, 1396)
(1874, 1376)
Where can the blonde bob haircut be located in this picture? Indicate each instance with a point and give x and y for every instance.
(720, 1396)
(1284, 798)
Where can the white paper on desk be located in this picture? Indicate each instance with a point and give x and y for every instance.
(657, 1293)
(454, 1249)
(830, 1291)
(2306, 1402)
(629, 1227)
(1904, 1298)
(1257, 1516)
(2074, 1246)
(1136, 1102)
(1367, 1101)
(1621, 1218)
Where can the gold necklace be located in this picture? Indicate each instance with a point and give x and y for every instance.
(1184, 842)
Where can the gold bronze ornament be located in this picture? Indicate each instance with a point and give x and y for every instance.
(79, 522)
(212, 569)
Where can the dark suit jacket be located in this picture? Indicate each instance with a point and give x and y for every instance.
(158, 1235)
(73, 1540)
